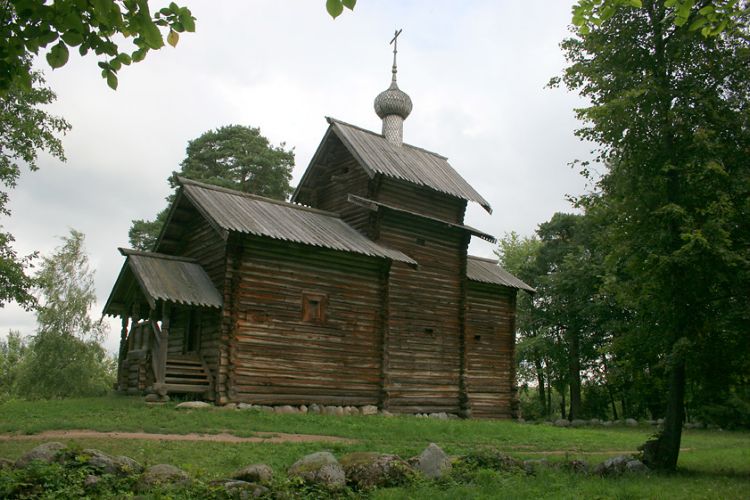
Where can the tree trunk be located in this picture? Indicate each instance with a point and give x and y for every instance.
(540, 385)
(574, 372)
(562, 403)
(612, 402)
(661, 453)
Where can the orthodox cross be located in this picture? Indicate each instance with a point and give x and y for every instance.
(394, 41)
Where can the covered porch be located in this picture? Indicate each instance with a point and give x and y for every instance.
(170, 315)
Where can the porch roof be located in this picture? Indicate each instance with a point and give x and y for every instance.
(163, 277)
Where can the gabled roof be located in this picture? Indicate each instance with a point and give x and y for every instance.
(161, 277)
(407, 163)
(375, 205)
(488, 271)
(230, 210)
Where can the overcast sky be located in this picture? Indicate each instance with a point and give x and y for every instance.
(476, 72)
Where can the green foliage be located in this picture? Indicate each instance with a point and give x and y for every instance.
(65, 357)
(25, 129)
(26, 27)
(336, 7)
(12, 351)
(668, 111)
(234, 156)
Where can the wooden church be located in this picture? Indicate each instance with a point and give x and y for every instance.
(358, 292)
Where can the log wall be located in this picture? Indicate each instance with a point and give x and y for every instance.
(423, 371)
(490, 344)
(276, 357)
(421, 200)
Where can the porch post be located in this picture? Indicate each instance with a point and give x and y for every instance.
(121, 376)
(163, 345)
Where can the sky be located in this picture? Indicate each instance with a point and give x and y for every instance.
(476, 72)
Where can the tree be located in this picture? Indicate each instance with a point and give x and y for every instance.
(25, 129)
(12, 351)
(336, 7)
(27, 26)
(233, 156)
(65, 357)
(668, 111)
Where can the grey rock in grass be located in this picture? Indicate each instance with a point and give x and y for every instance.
(631, 422)
(314, 408)
(619, 465)
(303, 409)
(321, 469)
(229, 406)
(369, 410)
(532, 466)
(386, 413)
(108, 464)
(91, 481)
(562, 422)
(47, 453)
(236, 488)
(578, 423)
(266, 409)
(595, 422)
(245, 406)
(193, 405)
(255, 473)
(286, 410)
(433, 462)
(608, 423)
(439, 416)
(366, 470)
(162, 475)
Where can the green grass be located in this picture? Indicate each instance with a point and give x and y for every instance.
(714, 464)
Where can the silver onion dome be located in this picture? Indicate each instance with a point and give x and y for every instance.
(393, 101)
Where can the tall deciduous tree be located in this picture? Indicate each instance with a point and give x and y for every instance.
(65, 357)
(669, 109)
(25, 130)
(234, 156)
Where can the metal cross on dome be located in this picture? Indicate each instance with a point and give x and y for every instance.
(394, 41)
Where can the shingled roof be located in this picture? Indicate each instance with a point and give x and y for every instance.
(488, 271)
(230, 210)
(405, 162)
(162, 277)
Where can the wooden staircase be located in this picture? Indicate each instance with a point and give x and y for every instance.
(187, 374)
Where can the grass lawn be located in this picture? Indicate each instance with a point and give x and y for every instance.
(714, 464)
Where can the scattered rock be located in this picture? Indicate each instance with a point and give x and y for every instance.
(631, 422)
(229, 406)
(240, 489)
(619, 465)
(193, 405)
(453, 416)
(91, 481)
(162, 475)
(255, 473)
(333, 410)
(152, 398)
(303, 409)
(245, 406)
(440, 416)
(369, 410)
(266, 409)
(314, 408)
(108, 464)
(532, 466)
(562, 423)
(366, 470)
(46, 453)
(433, 462)
(608, 423)
(594, 422)
(319, 468)
(286, 410)
(385, 413)
(576, 466)
(578, 423)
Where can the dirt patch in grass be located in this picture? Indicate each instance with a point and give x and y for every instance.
(259, 437)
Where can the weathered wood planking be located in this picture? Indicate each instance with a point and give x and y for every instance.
(420, 199)
(424, 357)
(490, 344)
(276, 357)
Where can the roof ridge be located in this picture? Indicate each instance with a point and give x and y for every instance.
(142, 253)
(484, 259)
(335, 120)
(184, 180)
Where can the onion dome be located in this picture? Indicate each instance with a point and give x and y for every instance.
(393, 101)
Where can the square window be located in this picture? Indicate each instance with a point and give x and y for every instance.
(314, 307)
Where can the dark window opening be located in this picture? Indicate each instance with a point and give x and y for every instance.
(477, 337)
(314, 307)
(429, 331)
(192, 337)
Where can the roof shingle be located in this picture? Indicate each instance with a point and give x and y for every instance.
(488, 271)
